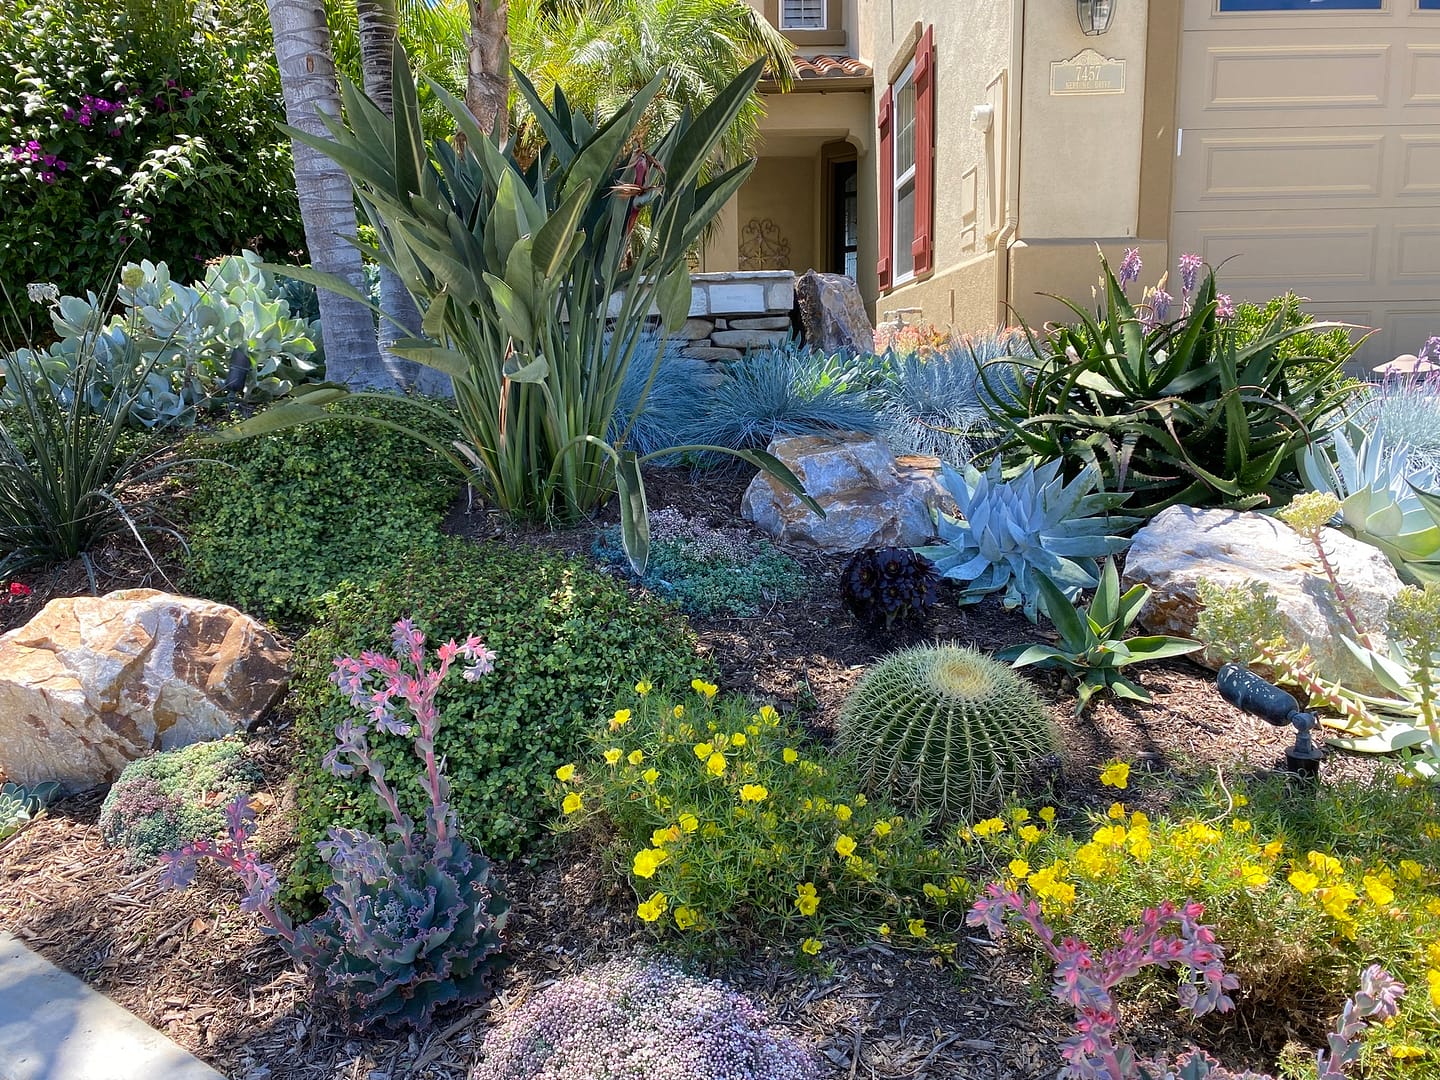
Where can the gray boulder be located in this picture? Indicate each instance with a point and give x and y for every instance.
(832, 314)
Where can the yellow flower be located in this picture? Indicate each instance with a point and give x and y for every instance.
(1379, 892)
(882, 828)
(989, 827)
(612, 756)
(1047, 814)
(661, 837)
(1303, 880)
(1324, 864)
(572, 802)
(883, 929)
(1241, 800)
(754, 793)
(1116, 811)
(703, 750)
(768, 715)
(934, 892)
(805, 898)
(844, 845)
(650, 775)
(1411, 870)
(1433, 978)
(1019, 815)
(810, 946)
(790, 755)
(1404, 780)
(643, 687)
(1110, 835)
(1432, 830)
(1019, 868)
(686, 917)
(1253, 877)
(1116, 775)
(1404, 1052)
(1029, 833)
(565, 773)
(715, 764)
(916, 928)
(860, 800)
(842, 812)
(635, 757)
(1240, 825)
(706, 689)
(1273, 849)
(620, 719)
(738, 739)
(689, 822)
(1139, 844)
(648, 860)
(653, 908)
(752, 730)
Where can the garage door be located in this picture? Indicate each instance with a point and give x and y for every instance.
(1309, 150)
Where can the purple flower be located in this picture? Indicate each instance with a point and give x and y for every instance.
(1189, 271)
(1431, 349)
(1130, 267)
(187, 93)
(47, 176)
(1160, 302)
(115, 133)
(1224, 306)
(69, 113)
(86, 119)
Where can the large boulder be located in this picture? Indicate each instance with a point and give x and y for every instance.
(870, 498)
(832, 313)
(92, 683)
(1182, 545)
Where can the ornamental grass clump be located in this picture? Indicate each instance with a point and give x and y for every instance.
(636, 1019)
(733, 831)
(413, 918)
(174, 797)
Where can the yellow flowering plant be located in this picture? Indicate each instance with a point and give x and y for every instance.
(742, 828)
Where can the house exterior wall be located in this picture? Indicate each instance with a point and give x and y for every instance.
(769, 199)
(972, 53)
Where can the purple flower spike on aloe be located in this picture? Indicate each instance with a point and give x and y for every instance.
(1189, 272)
(1130, 267)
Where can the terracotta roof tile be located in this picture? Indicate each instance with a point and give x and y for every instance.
(830, 67)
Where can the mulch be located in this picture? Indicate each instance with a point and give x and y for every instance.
(197, 968)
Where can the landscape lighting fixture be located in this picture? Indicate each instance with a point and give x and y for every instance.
(1094, 15)
(1250, 693)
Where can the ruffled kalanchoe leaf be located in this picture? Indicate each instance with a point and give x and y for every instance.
(1010, 529)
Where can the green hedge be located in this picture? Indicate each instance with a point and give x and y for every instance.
(567, 640)
(278, 520)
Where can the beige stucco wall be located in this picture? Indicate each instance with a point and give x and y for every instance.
(972, 55)
(775, 193)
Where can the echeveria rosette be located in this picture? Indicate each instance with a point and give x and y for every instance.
(882, 586)
(404, 931)
(1007, 530)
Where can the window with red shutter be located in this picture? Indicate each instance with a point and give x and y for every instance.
(886, 190)
(922, 247)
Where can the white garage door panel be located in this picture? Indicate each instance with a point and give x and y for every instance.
(1310, 153)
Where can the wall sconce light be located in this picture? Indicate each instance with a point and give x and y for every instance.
(1094, 15)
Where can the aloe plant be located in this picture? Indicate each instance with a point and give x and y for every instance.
(1009, 532)
(1092, 645)
(1383, 501)
(534, 283)
(1188, 411)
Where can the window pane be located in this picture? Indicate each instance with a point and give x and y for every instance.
(802, 15)
(904, 230)
(1430, 5)
(905, 129)
(1303, 5)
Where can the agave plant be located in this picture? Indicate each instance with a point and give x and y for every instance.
(1012, 531)
(1187, 411)
(1092, 644)
(534, 285)
(1383, 501)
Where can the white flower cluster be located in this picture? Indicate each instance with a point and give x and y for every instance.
(640, 1020)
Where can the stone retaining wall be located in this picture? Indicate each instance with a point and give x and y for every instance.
(733, 312)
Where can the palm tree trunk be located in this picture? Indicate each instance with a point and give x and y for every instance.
(487, 86)
(379, 23)
(327, 203)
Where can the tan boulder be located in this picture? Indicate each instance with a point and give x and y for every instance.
(870, 498)
(1182, 545)
(92, 683)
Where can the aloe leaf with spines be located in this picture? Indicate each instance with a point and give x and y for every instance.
(1183, 412)
(533, 281)
(1010, 531)
(945, 729)
(1092, 645)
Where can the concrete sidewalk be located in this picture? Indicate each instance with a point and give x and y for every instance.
(54, 1027)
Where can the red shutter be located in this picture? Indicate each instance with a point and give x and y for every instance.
(923, 247)
(886, 191)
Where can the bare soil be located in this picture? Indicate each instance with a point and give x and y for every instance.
(196, 967)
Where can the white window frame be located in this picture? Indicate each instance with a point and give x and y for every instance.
(824, 18)
(900, 179)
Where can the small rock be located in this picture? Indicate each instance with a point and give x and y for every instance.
(869, 498)
(1182, 545)
(832, 313)
(92, 683)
